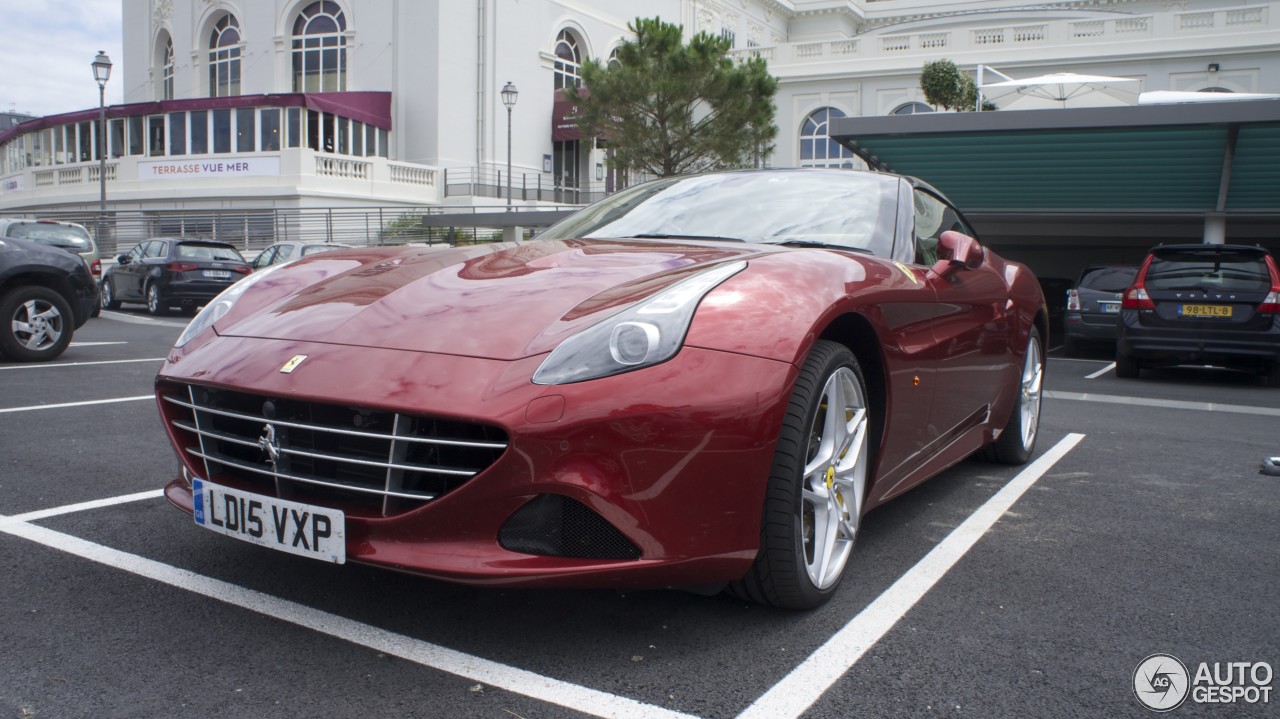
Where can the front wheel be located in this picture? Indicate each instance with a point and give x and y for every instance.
(107, 297)
(813, 505)
(1018, 438)
(37, 324)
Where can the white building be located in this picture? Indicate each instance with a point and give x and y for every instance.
(360, 103)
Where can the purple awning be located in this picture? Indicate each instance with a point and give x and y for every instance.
(371, 108)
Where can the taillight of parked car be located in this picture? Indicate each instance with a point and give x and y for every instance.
(1136, 297)
(1073, 300)
(181, 266)
(242, 269)
(95, 268)
(1271, 305)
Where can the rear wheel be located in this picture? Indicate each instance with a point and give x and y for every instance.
(816, 486)
(1018, 439)
(36, 324)
(154, 305)
(1127, 366)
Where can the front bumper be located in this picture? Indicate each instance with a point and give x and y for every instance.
(675, 457)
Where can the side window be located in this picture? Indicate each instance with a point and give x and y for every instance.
(136, 253)
(266, 258)
(155, 248)
(934, 217)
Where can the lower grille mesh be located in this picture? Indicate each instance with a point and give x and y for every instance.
(557, 526)
(367, 462)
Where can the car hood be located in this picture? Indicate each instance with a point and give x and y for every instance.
(504, 301)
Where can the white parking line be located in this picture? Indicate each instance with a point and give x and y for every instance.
(1162, 403)
(77, 404)
(96, 344)
(490, 673)
(39, 365)
(1101, 372)
(135, 319)
(793, 696)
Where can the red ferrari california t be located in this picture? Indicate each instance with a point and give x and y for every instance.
(700, 382)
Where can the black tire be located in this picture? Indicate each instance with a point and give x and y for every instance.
(107, 296)
(155, 305)
(789, 531)
(44, 320)
(1127, 366)
(1017, 441)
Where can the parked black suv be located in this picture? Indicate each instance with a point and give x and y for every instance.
(1093, 306)
(1202, 304)
(164, 272)
(45, 295)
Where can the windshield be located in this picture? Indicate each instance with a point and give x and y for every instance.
(191, 251)
(65, 236)
(825, 207)
(1108, 279)
(1200, 270)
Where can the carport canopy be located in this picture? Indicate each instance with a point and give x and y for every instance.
(1210, 160)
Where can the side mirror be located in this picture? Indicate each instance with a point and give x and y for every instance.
(123, 259)
(956, 250)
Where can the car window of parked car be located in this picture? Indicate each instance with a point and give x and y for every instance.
(1107, 279)
(204, 251)
(1199, 270)
(154, 248)
(934, 217)
(266, 257)
(64, 236)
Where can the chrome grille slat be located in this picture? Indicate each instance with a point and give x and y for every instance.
(367, 461)
(338, 430)
(330, 457)
(305, 480)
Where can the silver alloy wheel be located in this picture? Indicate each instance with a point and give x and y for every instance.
(37, 324)
(106, 293)
(835, 477)
(1029, 400)
(153, 299)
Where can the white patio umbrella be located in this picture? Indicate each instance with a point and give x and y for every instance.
(1060, 88)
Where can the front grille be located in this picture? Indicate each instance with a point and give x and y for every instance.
(364, 461)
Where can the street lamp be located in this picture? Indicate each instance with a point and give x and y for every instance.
(101, 73)
(509, 93)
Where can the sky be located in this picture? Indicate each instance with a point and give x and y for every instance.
(47, 49)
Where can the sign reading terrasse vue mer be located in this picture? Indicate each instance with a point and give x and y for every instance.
(202, 169)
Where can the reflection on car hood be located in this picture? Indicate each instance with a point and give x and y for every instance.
(502, 301)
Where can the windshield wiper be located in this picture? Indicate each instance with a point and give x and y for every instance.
(661, 236)
(821, 245)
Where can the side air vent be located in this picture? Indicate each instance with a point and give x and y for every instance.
(557, 526)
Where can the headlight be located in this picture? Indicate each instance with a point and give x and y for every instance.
(222, 304)
(644, 334)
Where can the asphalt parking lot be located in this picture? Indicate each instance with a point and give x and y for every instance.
(1144, 527)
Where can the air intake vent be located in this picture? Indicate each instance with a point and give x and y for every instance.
(556, 526)
(366, 462)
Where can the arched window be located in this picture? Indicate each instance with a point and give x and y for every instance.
(911, 108)
(568, 60)
(320, 49)
(166, 70)
(224, 57)
(817, 149)
(613, 59)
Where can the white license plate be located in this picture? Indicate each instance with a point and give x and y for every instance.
(293, 527)
(1110, 307)
(218, 274)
